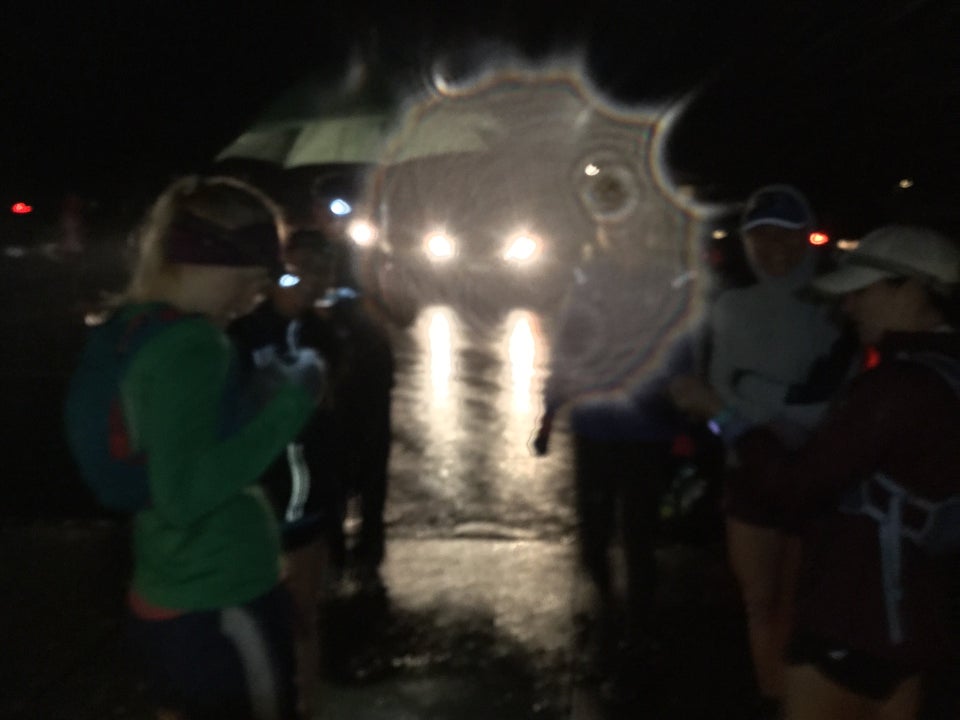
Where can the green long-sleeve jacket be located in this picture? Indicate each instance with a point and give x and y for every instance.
(209, 539)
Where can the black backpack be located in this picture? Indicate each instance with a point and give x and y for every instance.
(902, 515)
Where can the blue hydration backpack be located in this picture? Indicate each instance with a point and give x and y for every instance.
(900, 515)
(95, 425)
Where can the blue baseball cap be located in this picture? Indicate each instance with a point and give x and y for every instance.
(779, 205)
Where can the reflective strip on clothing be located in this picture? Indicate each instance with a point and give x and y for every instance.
(241, 628)
(299, 482)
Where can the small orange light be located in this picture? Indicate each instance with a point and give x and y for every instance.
(21, 208)
(818, 239)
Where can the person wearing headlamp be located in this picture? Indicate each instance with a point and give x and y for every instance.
(280, 336)
(208, 614)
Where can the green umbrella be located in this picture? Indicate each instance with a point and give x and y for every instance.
(346, 139)
(317, 123)
(442, 131)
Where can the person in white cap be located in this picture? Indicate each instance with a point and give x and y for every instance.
(876, 489)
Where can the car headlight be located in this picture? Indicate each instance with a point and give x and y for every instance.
(362, 232)
(439, 246)
(521, 248)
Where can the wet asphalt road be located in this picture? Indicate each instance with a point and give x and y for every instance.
(485, 613)
(464, 407)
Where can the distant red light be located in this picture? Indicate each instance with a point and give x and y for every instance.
(21, 208)
(818, 239)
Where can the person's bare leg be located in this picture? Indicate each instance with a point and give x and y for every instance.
(809, 695)
(904, 704)
(784, 604)
(765, 563)
(304, 572)
(812, 696)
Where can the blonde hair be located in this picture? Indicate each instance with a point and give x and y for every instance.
(224, 201)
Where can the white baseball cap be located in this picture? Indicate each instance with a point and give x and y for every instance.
(895, 251)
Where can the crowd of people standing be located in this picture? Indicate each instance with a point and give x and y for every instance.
(256, 409)
(833, 387)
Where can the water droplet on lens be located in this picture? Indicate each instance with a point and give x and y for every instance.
(607, 186)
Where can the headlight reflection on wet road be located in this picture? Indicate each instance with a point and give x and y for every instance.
(521, 348)
(466, 401)
(521, 352)
(440, 352)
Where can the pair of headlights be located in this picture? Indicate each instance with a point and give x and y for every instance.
(520, 249)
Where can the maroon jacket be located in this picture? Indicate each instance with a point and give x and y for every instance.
(900, 418)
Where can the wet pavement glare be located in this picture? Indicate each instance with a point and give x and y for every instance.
(466, 403)
(484, 611)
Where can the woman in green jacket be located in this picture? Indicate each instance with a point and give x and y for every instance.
(208, 613)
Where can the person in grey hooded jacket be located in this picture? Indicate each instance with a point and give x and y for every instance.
(775, 359)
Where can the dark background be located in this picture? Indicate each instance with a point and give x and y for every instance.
(842, 98)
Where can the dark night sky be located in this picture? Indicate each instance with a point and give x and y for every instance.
(841, 97)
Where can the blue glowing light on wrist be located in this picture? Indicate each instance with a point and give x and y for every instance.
(718, 421)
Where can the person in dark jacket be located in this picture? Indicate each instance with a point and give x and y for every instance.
(362, 406)
(609, 370)
(302, 483)
(872, 487)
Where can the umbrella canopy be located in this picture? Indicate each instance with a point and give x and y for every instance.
(442, 131)
(317, 122)
(338, 139)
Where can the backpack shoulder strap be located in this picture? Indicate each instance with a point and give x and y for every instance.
(134, 331)
(946, 366)
(884, 500)
(144, 324)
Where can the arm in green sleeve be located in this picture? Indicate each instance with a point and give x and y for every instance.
(173, 394)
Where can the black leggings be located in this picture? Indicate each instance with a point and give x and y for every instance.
(233, 663)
